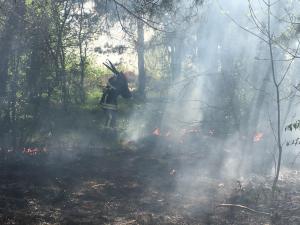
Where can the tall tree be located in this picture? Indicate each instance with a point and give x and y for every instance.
(141, 58)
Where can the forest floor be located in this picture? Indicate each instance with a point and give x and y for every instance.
(88, 176)
(135, 183)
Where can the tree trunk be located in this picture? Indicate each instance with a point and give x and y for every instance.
(5, 50)
(4, 60)
(141, 59)
(176, 55)
(9, 64)
(13, 99)
(278, 102)
(82, 54)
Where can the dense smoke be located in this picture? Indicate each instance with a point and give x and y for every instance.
(149, 112)
(225, 89)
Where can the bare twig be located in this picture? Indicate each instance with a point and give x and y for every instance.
(291, 94)
(245, 208)
(120, 22)
(255, 20)
(297, 87)
(275, 60)
(274, 159)
(272, 128)
(128, 222)
(147, 22)
(258, 89)
(289, 66)
(269, 39)
(240, 26)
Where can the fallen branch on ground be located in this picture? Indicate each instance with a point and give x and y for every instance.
(128, 222)
(244, 207)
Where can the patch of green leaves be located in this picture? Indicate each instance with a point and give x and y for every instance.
(293, 126)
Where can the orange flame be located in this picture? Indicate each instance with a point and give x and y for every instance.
(34, 151)
(156, 132)
(258, 136)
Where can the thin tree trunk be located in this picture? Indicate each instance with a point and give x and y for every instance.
(278, 103)
(65, 94)
(5, 50)
(13, 99)
(82, 53)
(9, 64)
(176, 55)
(141, 59)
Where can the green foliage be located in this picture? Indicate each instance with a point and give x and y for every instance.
(294, 142)
(157, 61)
(48, 67)
(293, 126)
(96, 76)
(28, 2)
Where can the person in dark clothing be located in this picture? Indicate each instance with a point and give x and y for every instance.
(117, 85)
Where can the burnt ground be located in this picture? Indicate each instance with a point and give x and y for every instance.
(135, 184)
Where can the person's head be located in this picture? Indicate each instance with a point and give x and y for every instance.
(119, 80)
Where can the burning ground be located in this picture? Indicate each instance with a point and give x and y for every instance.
(139, 182)
(198, 142)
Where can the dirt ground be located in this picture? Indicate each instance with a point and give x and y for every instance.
(134, 184)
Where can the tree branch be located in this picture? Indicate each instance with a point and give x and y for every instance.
(240, 26)
(140, 18)
(245, 208)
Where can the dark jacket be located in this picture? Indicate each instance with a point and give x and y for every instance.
(116, 85)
